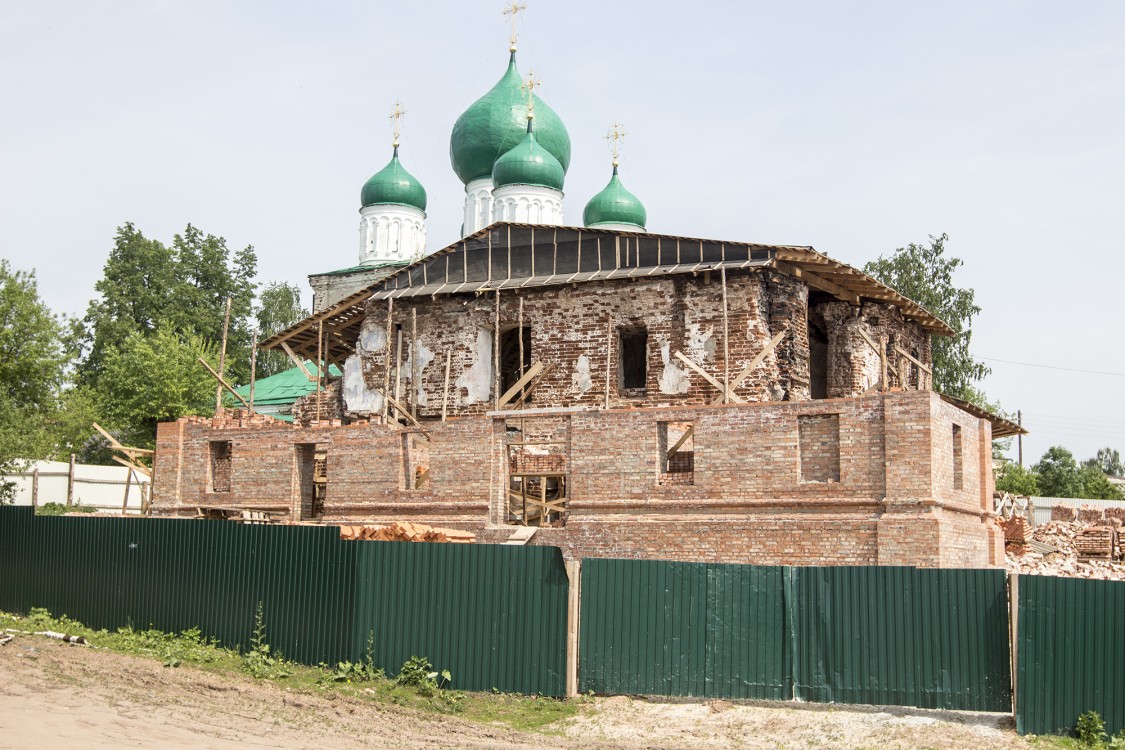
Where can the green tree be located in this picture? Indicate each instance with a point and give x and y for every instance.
(32, 371)
(925, 274)
(1107, 461)
(155, 378)
(1092, 483)
(1057, 473)
(279, 306)
(1017, 480)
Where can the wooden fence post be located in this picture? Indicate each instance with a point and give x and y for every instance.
(70, 483)
(35, 487)
(574, 593)
(1014, 631)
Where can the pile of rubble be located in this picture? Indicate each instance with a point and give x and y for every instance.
(407, 532)
(1077, 543)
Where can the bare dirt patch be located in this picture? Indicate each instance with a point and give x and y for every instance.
(58, 696)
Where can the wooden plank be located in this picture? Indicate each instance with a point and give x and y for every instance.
(818, 282)
(726, 339)
(70, 482)
(405, 412)
(222, 382)
(509, 394)
(745, 372)
(532, 386)
(222, 360)
(707, 377)
(118, 446)
(573, 614)
(136, 467)
(870, 343)
(913, 359)
(445, 389)
(298, 362)
(679, 443)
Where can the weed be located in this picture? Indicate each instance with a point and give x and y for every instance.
(259, 661)
(362, 671)
(58, 509)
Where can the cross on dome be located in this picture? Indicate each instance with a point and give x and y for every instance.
(615, 136)
(513, 10)
(396, 116)
(529, 86)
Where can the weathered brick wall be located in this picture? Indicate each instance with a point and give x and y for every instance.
(575, 328)
(889, 499)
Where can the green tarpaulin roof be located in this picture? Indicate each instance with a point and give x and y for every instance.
(284, 387)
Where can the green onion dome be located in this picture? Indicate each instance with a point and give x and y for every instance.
(494, 124)
(528, 163)
(393, 185)
(615, 205)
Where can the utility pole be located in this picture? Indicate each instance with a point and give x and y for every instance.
(1019, 437)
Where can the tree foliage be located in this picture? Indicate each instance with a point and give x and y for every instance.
(1017, 480)
(155, 378)
(1059, 475)
(925, 274)
(1107, 461)
(279, 307)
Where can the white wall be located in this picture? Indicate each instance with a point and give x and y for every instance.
(95, 486)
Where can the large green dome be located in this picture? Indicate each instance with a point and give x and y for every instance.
(393, 185)
(615, 205)
(495, 123)
(528, 163)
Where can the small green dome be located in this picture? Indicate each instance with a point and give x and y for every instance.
(528, 163)
(393, 185)
(615, 205)
(495, 123)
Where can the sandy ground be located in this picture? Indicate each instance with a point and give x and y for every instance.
(59, 696)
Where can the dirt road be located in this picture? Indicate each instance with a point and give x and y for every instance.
(58, 696)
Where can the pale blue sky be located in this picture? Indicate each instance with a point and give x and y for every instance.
(852, 127)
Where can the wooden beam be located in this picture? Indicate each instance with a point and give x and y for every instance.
(134, 466)
(509, 394)
(222, 360)
(298, 362)
(527, 391)
(445, 389)
(745, 373)
(707, 377)
(223, 383)
(406, 413)
(113, 442)
(817, 282)
(679, 443)
(913, 359)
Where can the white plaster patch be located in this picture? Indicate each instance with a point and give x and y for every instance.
(358, 398)
(701, 344)
(372, 338)
(673, 379)
(425, 357)
(581, 381)
(477, 380)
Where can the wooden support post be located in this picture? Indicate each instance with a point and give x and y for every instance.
(222, 361)
(253, 367)
(519, 325)
(128, 483)
(883, 361)
(496, 350)
(35, 484)
(708, 377)
(608, 357)
(573, 600)
(1019, 437)
(726, 339)
(319, 364)
(70, 483)
(745, 372)
(413, 401)
(445, 388)
(387, 358)
(297, 361)
(518, 386)
(398, 366)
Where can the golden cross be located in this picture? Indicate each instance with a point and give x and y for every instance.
(529, 86)
(615, 135)
(396, 116)
(513, 10)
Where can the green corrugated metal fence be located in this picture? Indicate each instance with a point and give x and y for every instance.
(902, 636)
(688, 629)
(1071, 655)
(493, 615)
(930, 638)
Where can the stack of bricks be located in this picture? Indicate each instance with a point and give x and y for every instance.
(1016, 530)
(1064, 513)
(1095, 541)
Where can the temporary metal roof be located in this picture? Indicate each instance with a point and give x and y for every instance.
(515, 256)
(1001, 427)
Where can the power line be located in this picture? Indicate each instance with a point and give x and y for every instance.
(1054, 367)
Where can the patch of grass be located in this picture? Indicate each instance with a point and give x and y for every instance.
(361, 681)
(58, 509)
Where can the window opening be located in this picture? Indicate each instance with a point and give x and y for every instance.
(818, 362)
(415, 461)
(958, 477)
(221, 461)
(676, 443)
(312, 479)
(510, 369)
(633, 356)
(536, 482)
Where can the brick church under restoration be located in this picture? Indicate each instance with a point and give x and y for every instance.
(625, 394)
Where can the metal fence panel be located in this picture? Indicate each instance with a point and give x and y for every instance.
(1071, 655)
(493, 615)
(688, 629)
(932, 638)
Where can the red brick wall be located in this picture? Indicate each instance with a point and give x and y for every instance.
(893, 502)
